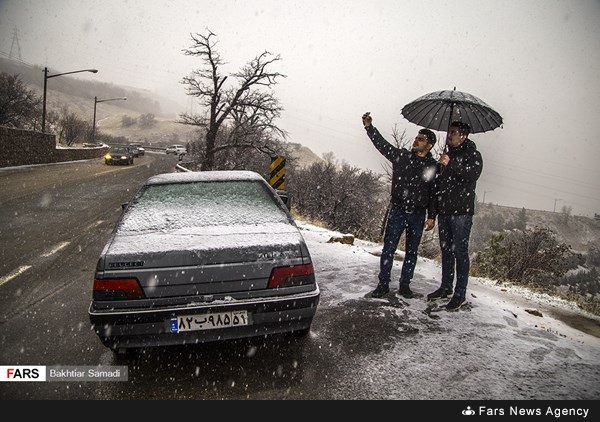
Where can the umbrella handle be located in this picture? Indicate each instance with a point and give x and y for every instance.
(449, 123)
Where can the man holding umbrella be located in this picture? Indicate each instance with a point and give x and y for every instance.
(459, 169)
(412, 199)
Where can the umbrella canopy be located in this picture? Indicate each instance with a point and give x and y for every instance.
(437, 110)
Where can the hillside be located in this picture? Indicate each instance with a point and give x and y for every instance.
(165, 132)
(304, 155)
(534, 262)
(168, 131)
(581, 233)
(78, 94)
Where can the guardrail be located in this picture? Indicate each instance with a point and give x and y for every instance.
(156, 149)
(180, 168)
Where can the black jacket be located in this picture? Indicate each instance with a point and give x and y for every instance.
(412, 176)
(455, 183)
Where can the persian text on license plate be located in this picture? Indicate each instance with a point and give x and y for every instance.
(209, 321)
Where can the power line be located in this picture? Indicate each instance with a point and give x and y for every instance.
(24, 63)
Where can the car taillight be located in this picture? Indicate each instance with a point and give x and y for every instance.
(117, 289)
(295, 275)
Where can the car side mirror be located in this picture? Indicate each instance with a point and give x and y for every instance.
(285, 197)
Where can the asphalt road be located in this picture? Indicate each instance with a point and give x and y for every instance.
(55, 220)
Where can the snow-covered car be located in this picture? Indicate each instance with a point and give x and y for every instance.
(202, 256)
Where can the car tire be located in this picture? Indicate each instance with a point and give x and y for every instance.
(300, 333)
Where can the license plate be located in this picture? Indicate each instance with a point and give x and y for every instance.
(208, 321)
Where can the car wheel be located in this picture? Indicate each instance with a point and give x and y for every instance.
(300, 333)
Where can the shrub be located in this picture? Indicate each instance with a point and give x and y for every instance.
(532, 256)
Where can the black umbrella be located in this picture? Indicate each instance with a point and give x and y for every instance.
(439, 109)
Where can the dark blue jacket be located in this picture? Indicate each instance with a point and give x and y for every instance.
(455, 183)
(412, 176)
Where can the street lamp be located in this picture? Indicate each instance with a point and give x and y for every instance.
(46, 77)
(96, 101)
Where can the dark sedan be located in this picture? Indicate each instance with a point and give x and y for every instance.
(119, 155)
(140, 149)
(203, 256)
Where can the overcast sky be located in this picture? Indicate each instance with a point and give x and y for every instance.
(535, 62)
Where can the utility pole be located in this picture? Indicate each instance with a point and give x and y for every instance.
(555, 201)
(484, 192)
(96, 101)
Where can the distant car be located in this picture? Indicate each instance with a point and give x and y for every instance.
(140, 149)
(119, 154)
(199, 257)
(134, 150)
(176, 149)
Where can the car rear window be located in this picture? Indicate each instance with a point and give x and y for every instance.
(202, 204)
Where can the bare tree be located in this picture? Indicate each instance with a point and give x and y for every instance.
(147, 120)
(19, 106)
(565, 213)
(244, 108)
(127, 121)
(70, 127)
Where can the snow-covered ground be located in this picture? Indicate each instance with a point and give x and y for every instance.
(506, 343)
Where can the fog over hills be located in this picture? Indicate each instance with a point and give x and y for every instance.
(78, 94)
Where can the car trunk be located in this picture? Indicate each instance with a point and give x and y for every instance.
(203, 262)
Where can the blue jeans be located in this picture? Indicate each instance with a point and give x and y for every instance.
(398, 222)
(454, 232)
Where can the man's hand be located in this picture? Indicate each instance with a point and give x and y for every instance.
(367, 119)
(429, 224)
(444, 159)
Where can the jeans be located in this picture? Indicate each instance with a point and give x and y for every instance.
(454, 232)
(397, 222)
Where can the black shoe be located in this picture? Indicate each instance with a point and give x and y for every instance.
(380, 291)
(455, 303)
(440, 293)
(405, 291)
